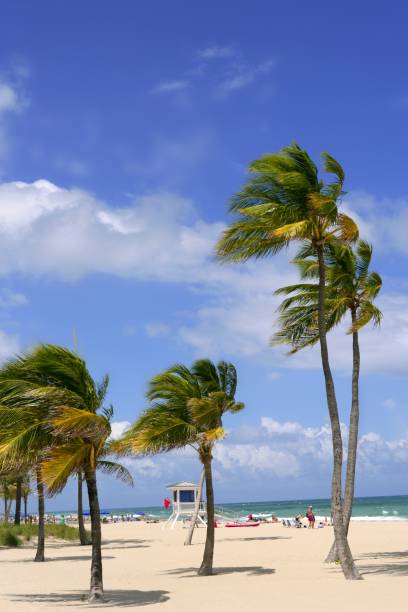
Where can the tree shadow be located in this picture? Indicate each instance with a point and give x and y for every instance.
(52, 559)
(390, 568)
(134, 543)
(250, 570)
(255, 539)
(401, 554)
(118, 598)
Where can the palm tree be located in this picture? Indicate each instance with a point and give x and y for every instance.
(351, 287)
(51, 392)
(186, 409)
(285, 201)
(26, 491)
(8, 492)
(24, 434)
(110, 467)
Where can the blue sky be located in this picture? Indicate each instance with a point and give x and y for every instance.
(123, 132)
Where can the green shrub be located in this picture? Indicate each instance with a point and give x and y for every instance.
(28, 531)
(9, 538)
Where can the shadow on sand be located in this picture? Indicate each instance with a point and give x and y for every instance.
(388, 565)
(52, 559)
(118, 598)
(255, 539)
(250, 570)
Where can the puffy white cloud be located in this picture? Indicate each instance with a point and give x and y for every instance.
(67, 233)
(118, 429)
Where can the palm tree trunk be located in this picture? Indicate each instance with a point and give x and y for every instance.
(25, 498)
(193, 522)
(41, 528)
(5, 507)
(347, 562)
(17, 513)
(96, 588)
(82, 533)
(206, 568)
(352, 442)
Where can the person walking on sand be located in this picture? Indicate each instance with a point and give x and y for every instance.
(310, 517)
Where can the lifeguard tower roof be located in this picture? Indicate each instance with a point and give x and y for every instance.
(178, 485)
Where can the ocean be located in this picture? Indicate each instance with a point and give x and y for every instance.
(387, 508)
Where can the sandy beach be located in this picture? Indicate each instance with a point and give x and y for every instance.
(258, 569)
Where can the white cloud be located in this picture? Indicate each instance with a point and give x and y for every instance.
(9, 345)
(241, 75)
(45, 229)
(156, 329)
(9, 99)
(10, 299)
(118, 428)
(12, 100)
(389, 403)
(215, 52)
(175, 85)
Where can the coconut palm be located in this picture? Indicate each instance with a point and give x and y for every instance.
(110, 467)
(8, 493)
(186, 409)
(351, 288)
(283, 202)
(24, 435)
(50, 391)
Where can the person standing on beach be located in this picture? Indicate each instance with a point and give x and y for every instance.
(310, 517)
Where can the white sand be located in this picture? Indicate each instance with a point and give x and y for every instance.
(259, 569)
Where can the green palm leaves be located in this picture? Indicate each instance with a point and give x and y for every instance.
(186, 407)
(351, 287)
(286, 201)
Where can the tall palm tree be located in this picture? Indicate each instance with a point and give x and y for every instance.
(186, 409)
(285, 201)
(351, 288)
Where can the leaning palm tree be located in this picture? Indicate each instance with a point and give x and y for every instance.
(51, 391)
(351, 288)
(24, 434)
(186, 409)
(283, 202)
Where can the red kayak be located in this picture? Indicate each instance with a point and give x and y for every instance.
(249, 524)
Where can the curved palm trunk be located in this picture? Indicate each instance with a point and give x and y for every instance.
(96, 587)
(17, 513)
(82, 533)
(347, 563)
(206, 568)
(352, 442)
(189, 536)
(41, 528)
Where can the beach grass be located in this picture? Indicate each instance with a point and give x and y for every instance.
(13, 535)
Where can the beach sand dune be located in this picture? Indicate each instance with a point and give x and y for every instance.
(258, 570)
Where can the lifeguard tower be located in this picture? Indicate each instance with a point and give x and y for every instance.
(183, 500)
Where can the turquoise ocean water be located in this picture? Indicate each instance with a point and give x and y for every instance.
(388, 508)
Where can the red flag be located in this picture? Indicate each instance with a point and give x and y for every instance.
(166, 503)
